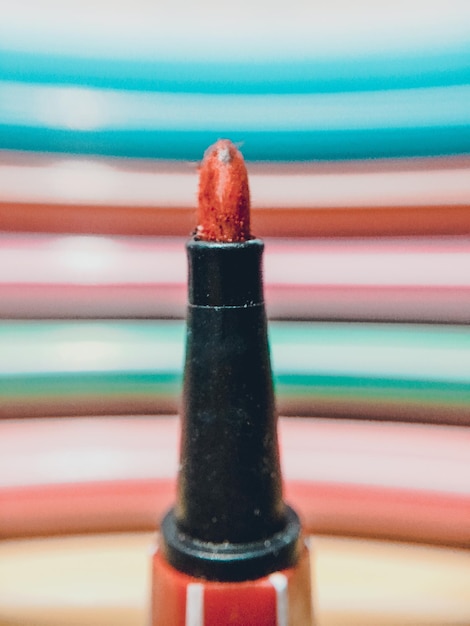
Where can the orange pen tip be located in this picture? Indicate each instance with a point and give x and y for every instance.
(223, 213)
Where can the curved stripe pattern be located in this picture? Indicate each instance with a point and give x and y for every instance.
(415, 122)
(389, 371)
(299, 83)
(297, 48)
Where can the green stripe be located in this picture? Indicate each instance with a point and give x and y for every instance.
(289, 387)
(89, 384)
(336, 388)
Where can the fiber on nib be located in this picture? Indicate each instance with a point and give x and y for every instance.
(229, 522)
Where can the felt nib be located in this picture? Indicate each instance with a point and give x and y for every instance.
(224, 199)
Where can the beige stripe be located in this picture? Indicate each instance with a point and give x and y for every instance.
(279, 582)
(195, 604)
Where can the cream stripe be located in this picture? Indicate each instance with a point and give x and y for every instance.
(279, 582)
(195, 605)
(81, 181)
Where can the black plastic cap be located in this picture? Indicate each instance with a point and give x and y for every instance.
(229, 521)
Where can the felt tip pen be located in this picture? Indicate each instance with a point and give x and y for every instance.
(230, 531)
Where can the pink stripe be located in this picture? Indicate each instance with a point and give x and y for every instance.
(420, 491)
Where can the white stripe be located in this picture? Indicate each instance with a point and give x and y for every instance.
(306, 186)
(195, 605)
(279, 582)
(74, 108)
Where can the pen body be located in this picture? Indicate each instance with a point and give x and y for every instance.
(229, 522)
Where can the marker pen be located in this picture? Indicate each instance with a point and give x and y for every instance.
(231, 551)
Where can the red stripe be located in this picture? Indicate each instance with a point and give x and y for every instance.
(138, 505)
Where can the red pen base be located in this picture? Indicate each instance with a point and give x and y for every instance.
(280, 599)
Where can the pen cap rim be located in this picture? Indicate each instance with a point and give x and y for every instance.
(232, 562)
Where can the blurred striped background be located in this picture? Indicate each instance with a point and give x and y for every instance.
(356, 128)
(354, 119)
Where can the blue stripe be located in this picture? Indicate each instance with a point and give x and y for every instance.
(305, 75)
(261, 146)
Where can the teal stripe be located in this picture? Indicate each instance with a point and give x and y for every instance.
(388, 390)
(257, 146)
(428, 67)
(158, 385)
(98, 385)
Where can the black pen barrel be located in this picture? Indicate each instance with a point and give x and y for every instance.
(229, 521)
